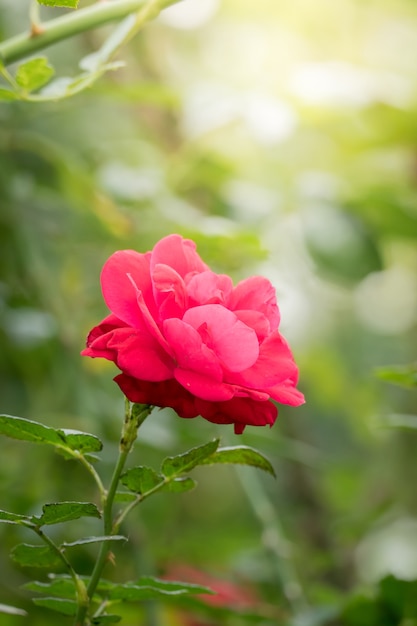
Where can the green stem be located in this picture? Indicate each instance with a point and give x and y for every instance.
(81, 458)
(35, 20)
(60, 28)
(81, 591)
(135, 415)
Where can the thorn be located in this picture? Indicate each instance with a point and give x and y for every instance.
(36, 29)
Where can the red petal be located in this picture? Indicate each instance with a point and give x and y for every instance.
(169, 292)
(190, 352)
(274, 365)
(234, 343)
(178, 253)
(257, 294)
(140, 356)
(209, 288)
(123, 274)
(202, 386)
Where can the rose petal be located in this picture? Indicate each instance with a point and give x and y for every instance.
(209, 288)
(286, 393)
(234, 343)
(140, 355)
(166, 393)
(202, 386)
(178, 253)
(255, 320)
(257, 294)
(274, 365)
(190, 351)
(125, 272)
(169, 292)
(239, 411)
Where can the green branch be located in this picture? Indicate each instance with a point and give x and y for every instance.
(53, 31)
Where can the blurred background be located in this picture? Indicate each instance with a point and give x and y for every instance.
(282, 138)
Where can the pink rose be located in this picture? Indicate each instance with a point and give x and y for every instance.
(186, 338)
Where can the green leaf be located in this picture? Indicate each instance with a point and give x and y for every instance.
(240, 455)
(60, 605)
(83, 442)
(403, 375)
(13, 518)
(173, 585)
(27, 430)
(141, 479)
(11, 610)
(58, 512)
(34, 556)
(179, 485)
(101, 539)
(176, 465)
(69, 4)
(106, 619)
(130, 592)
(33, 74)
(60, 587)
(124, 496)
(7, 94)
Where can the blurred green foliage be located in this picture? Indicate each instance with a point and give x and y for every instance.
(281, 137)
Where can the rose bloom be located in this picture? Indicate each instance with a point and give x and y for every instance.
(184, 337)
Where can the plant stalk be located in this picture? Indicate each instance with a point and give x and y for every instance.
(135, 415)
(60, 28)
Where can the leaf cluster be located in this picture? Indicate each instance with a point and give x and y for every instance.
(141, 482)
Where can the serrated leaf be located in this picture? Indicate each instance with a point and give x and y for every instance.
(58, 512)
(7, 94)
(101, 539)
(240, 455)
(11, 610)
(33, 74)
(69, 4)
(60, 605)
(13, 518)
(179, 485)
(34, 556)
(176, 465)
(27, 430)
(106, 619)
(141, 479)
(83, 442)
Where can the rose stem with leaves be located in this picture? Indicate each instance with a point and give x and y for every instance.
(135, 415)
